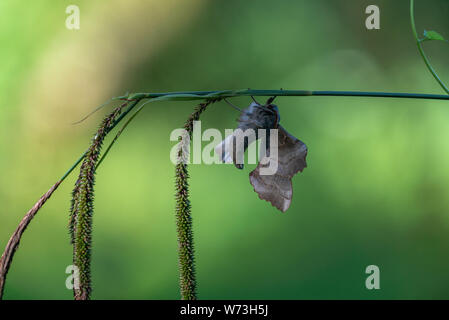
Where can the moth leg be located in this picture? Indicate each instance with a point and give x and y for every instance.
(254, 99)
(235, 107)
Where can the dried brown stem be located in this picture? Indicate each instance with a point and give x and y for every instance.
(13, 243)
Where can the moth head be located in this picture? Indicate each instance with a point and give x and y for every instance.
(269, 107)
(269, 104)
(272, 107)
(270, 100)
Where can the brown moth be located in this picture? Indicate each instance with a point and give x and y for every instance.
(290, 158)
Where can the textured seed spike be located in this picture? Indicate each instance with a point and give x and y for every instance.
(80, 224)
(183, 213)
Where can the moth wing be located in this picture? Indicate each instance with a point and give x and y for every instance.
(277, 188)
(292, 154)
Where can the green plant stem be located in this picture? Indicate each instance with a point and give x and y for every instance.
(421, 51)
(199, 95)
(195, 95)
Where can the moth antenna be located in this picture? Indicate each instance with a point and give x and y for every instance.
(235, 107)
(255, 100)
(271, 99)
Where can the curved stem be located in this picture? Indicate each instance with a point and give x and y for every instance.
(421, 51)
(13, 243)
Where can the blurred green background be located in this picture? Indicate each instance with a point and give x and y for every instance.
(375, 192)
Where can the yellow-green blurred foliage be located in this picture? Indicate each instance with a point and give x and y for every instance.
(375, 192)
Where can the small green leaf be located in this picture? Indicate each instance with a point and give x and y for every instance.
(432, 35)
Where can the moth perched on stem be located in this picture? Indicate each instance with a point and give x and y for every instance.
(282, 157)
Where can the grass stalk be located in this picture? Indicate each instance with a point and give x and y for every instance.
(82, 208)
